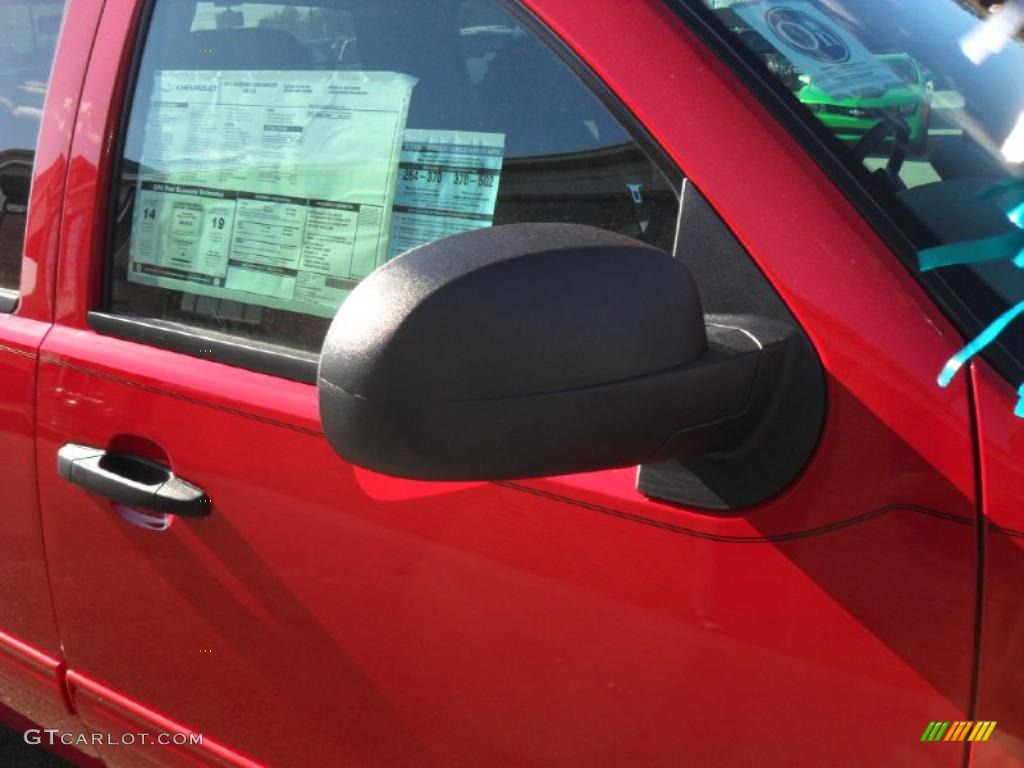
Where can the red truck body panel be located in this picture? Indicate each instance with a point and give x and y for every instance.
(326, 615)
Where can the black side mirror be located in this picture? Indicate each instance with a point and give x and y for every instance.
(539, 349)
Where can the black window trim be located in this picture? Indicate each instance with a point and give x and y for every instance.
(854, 181)
(268, 358)
(179, 337)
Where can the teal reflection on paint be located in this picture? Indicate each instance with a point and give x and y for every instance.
(1009, 246)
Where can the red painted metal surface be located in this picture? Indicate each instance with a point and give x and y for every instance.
(30, 654)
(47, 670)
(120, 715)
(25, 609)
(323, 615)
(1002, 632)
(33, 695)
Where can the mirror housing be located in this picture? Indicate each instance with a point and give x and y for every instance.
(538, 349)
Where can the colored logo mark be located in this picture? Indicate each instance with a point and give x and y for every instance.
(971, 730)
(808, 36)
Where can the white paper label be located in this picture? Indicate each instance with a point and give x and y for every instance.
(817, 46)
(270, 188)
(447, 183)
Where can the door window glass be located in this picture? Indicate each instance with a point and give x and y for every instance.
(276, 154)
(28, 39)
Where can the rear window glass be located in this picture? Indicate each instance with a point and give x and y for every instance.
(28, 39)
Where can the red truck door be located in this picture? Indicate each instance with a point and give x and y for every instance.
(317, 614)
(37, 115)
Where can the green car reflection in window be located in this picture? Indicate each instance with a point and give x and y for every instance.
(850, 119)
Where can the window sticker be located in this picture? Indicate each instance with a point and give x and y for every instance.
(818, 47)
(447, 183)
(270, 188)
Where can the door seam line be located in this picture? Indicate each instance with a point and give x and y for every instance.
(979, 544)
(62, 668)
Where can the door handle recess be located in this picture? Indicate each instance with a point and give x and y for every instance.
(131, 480)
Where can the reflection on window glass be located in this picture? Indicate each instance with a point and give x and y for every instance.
(904, 68)
(918, 93)
(28, 39)
(276, 154)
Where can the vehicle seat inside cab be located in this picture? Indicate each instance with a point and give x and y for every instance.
(238, 48)
(172, 45)
(21, 108)
(420, 39)
(525, 78)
